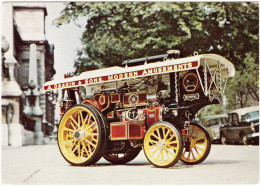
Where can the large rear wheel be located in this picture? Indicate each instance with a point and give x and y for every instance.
(163, 144)
(82, 135)
(197, 148)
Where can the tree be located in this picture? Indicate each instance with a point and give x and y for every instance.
(244, 84)
(117, 31)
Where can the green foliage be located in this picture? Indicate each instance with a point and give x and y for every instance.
(211, 110)
(117, 31)
(244, 83)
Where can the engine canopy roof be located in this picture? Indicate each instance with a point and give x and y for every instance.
(162, 67)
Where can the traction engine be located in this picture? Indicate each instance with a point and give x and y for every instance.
(149, 103)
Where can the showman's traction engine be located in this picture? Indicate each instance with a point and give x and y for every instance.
(149, 103)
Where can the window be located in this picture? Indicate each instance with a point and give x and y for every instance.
(223, 120)
(229, 118)
(235, 118)
(250, 115)
(212, 122)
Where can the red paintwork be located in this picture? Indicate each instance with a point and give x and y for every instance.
(126, 130)
(152, 114)
(118, 131)
(92, 103)
(115, 98)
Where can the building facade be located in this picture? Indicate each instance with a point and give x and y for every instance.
(28, 113)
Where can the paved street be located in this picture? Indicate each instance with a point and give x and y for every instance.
(31, 165)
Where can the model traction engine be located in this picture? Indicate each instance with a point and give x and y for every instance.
(149, 103)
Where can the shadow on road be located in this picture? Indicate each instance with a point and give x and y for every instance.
(179, 165)
(128, 164)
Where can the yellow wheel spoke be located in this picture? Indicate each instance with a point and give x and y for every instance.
(74, 144)
(157, 158)
(81, 116)
(72, 119)
(197, 139)
(166, 134)
(70, 130)
(170, 138)
(92, 124)
(197, 134)
(89, 142)
(73, 150)
(201, 143)
(155, 136)
(93, 134)
(159, 135)
(162, 156)
(199, 148)
(155, 151)
(173, 147)
(192, 154)
(152, 146)
(163, 129)
(73, 126)
(170, 152)
(172, 142)
(196, 150)
(87, 118)
(78, 120)
(189, 155)
(79, 149)
(69, 141)
(84, 147)
(92, 129)
(82, 151)
(153, 141)
(168, 158)
(90, 149)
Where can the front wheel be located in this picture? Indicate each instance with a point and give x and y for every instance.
(82, 135)
(197, 148)
(163, 144)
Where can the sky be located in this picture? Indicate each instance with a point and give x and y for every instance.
(66, 40)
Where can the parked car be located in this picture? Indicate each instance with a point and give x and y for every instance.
(242, 126)
(212, 124)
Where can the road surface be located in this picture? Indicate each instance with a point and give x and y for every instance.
(230, 164)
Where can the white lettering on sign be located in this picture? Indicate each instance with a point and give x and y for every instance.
(126, 75)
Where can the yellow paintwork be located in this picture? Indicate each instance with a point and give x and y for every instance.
(198, 145)
(161, 145)
(78, 150)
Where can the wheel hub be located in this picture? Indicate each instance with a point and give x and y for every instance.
(187, 144)
(79, 134)
(161, 144)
